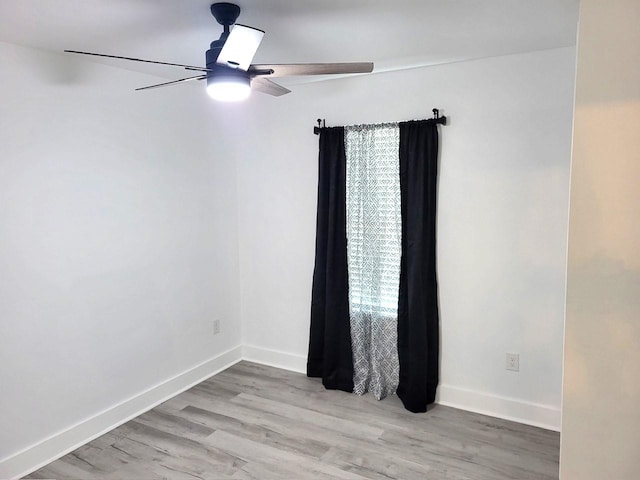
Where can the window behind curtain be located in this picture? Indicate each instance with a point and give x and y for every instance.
(373, 250)
(373, 217)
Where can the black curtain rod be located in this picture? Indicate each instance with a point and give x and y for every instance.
(436, 116)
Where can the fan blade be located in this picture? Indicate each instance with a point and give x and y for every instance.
(182, 80)
(240, 47)
(293, 69)
(188, 67)
(265, 85)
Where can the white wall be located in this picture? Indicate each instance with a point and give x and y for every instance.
(121, 227)
(600, 414)
(118, 245)
(504, 183)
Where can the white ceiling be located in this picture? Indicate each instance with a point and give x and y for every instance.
(395, 34)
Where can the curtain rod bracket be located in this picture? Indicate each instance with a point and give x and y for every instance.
(436, 116)
(321, 124)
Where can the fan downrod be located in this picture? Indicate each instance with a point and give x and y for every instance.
(225, 13)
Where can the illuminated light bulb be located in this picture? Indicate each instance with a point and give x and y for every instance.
(229, 86)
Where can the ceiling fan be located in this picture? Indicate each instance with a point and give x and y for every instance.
(229, 73)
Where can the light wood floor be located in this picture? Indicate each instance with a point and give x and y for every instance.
(257, 422)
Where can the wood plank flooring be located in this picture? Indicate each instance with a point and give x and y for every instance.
(258, 422)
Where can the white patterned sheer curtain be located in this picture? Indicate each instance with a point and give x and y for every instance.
(373, 252)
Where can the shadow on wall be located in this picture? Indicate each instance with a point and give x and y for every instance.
(58, 69)
(605, 277)
(604, 294)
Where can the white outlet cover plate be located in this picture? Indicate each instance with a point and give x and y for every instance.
(513, 362)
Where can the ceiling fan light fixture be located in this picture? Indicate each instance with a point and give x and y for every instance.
(227, 88)
(229, 72)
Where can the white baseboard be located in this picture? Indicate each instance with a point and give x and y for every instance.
(274, 358)
(544, 416)
(54, 447)
(514, 409)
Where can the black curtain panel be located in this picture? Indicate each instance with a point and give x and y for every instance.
(418, 323)
(330, 338)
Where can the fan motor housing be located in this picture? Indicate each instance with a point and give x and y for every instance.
(213, 52)
(223, 72)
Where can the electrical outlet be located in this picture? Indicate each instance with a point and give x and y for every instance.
(216, 326)
(513, 362)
